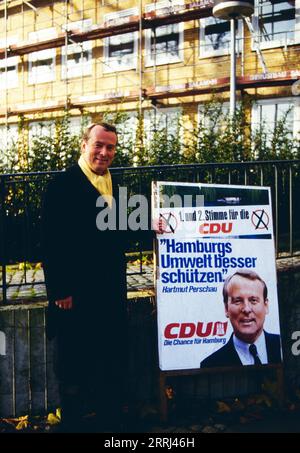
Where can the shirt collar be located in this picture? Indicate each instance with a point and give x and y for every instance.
(242, 349)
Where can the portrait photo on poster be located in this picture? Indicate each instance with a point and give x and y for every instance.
(216, 284)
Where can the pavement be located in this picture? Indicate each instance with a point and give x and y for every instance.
(25, 282)
(217, 417)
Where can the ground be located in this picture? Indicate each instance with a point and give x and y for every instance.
(251, 414)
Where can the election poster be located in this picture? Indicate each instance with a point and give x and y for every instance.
(216, 286)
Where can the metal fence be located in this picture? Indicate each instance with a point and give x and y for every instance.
(21, 198)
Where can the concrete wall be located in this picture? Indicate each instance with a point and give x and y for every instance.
(27, 381)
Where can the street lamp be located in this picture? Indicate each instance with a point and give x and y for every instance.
(232, 10)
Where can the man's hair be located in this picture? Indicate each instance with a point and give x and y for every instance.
(250, 275)
(106, 126)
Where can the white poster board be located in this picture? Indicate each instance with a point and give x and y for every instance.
(210, 232)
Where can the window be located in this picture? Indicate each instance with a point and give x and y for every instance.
(9, 66)
(47, 128)
(164, 44)
(277, 23)
(76, 59)
(126, 126)
(215, 37)
(42, 62)
(9, 72)
(160, 119)
(78, 123)
(120, 51)
(269, 112)
(8, 136)
(8, 148)
(213, 117)
(40, 128)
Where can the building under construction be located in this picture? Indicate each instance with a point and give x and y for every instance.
(154, 57)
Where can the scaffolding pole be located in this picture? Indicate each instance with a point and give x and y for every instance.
(6, 78)
(140, 56)
(66, 55)
(232, 67)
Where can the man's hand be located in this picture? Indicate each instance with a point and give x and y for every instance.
(159, 225)
(65, 304)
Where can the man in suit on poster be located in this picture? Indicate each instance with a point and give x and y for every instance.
(245, 297)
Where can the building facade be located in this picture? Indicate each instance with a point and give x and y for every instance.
(159, 58)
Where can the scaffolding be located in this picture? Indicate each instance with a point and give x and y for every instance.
(145, 85)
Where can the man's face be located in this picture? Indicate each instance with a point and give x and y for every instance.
(99, 151)
(246, 308)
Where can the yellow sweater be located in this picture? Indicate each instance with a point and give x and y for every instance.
(102, 183)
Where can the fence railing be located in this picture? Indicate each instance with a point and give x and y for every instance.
(21, 197)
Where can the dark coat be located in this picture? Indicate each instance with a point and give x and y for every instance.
(227, 355)
(89, 265)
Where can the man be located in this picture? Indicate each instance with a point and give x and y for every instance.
(246, 303)
(85, 275)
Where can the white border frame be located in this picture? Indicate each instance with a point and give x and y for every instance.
(84, 69)
(292, 100)
(278, 42)
(167, 58)
(111, 64)
(203, 53)
(36, 76)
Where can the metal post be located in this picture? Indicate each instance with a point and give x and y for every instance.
(291, 208)
(140, 53)
(2, 181)
(66, 55)
(3, 238)
(232, 68)
(6, 75)
(153, 32)
(276, 210)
